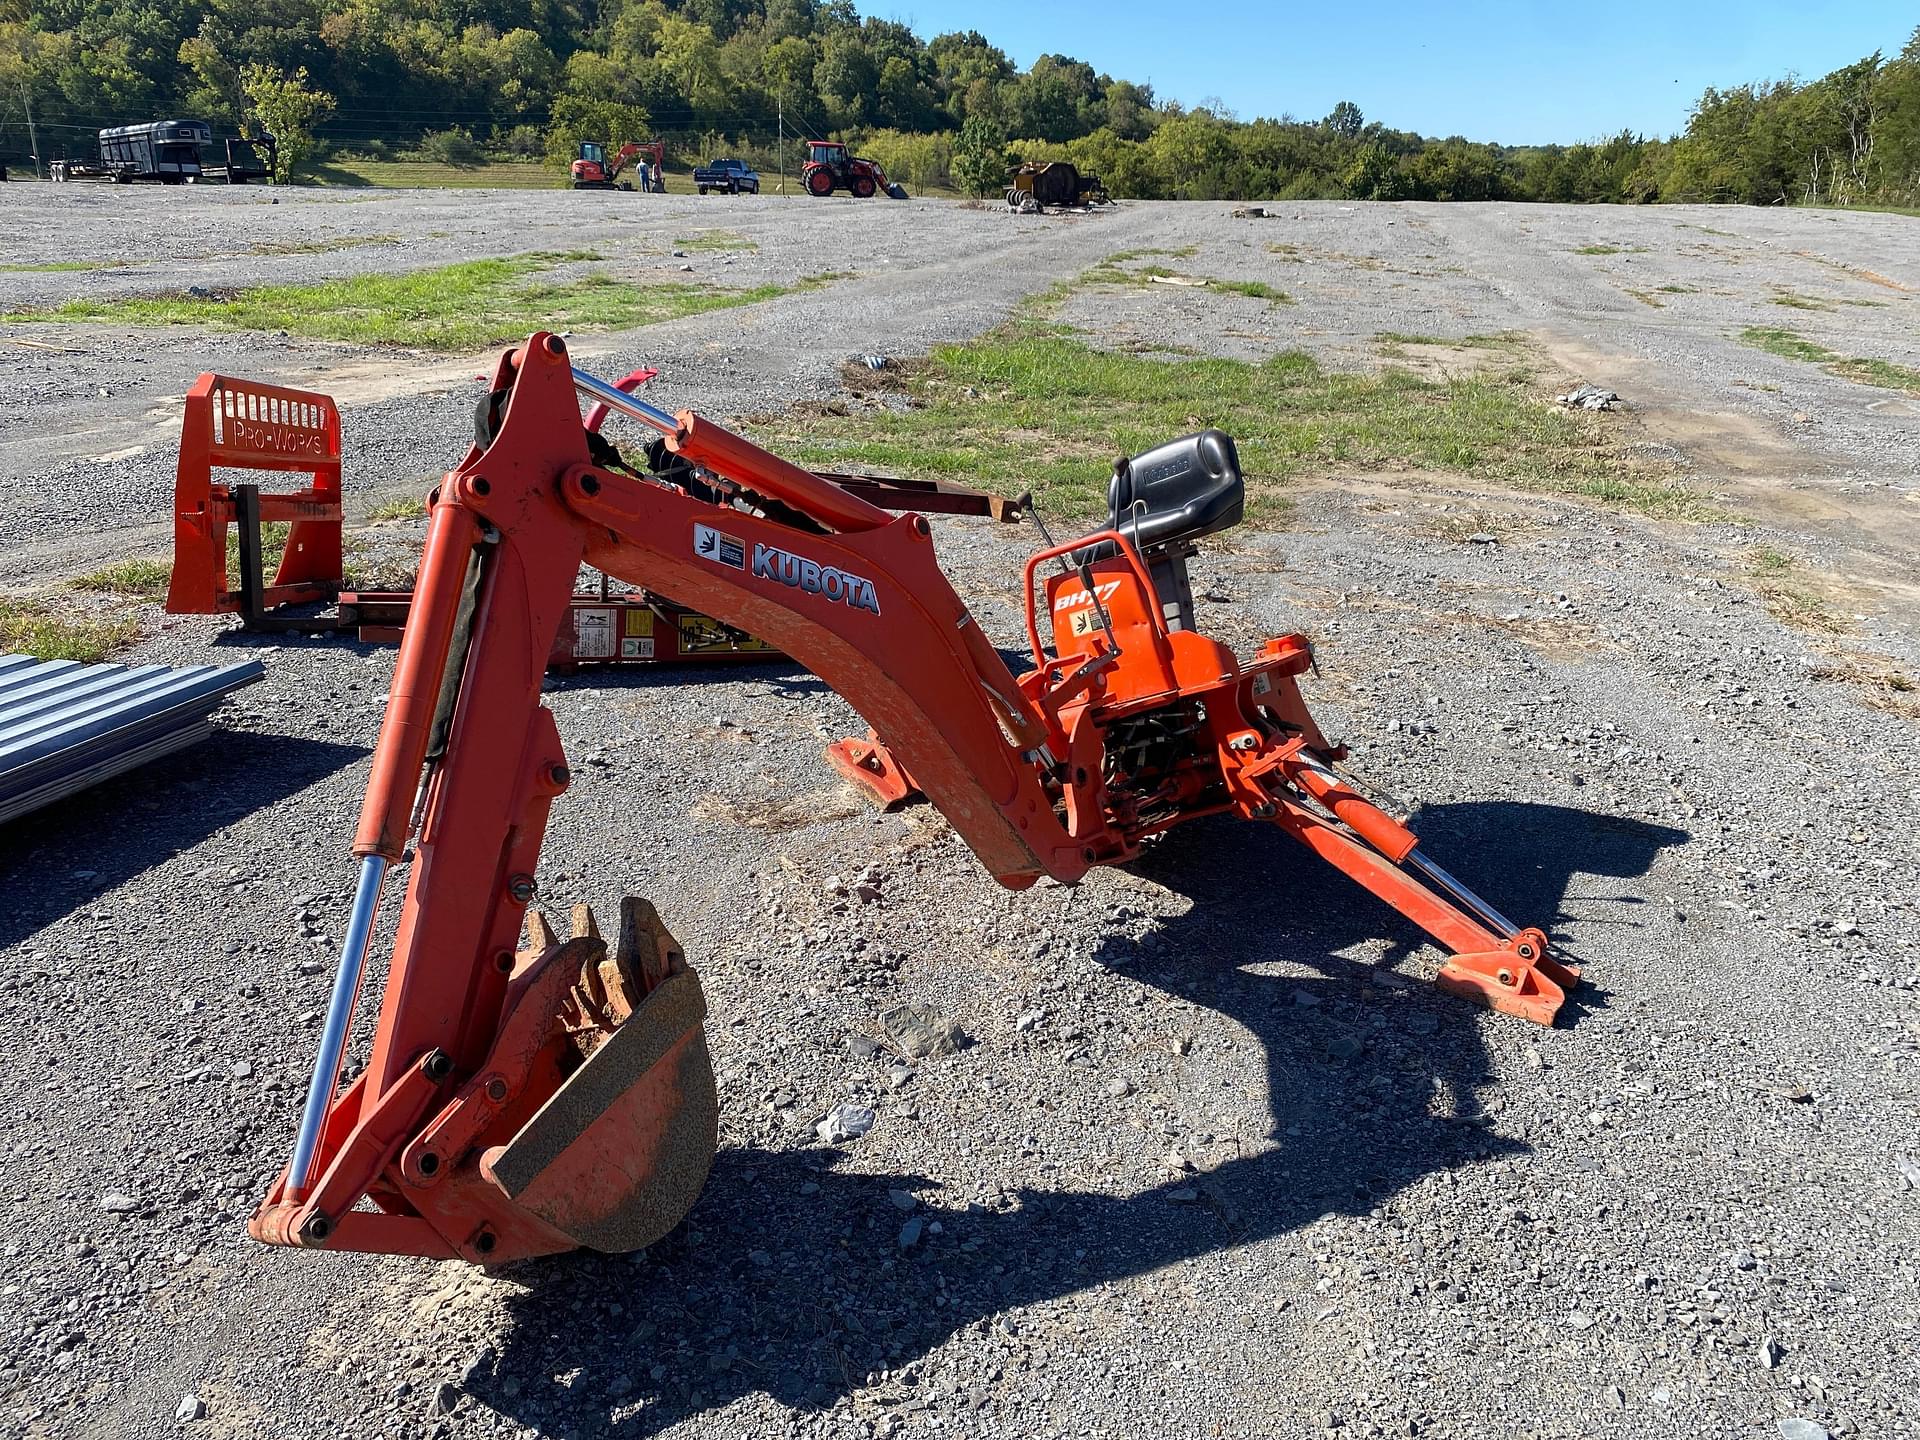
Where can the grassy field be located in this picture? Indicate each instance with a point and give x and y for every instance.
(1792, 346)
(1032, 405)
(405, 174)
(452, 307)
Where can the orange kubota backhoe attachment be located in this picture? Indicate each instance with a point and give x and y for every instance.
(524, 1099)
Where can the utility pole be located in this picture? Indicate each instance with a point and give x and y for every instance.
(780, 141)
(33, 138)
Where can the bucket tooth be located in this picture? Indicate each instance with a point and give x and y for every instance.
(590, 994)
(646, 951)
(540, 934)
(585, 927)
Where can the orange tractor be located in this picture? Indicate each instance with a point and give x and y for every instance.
(592, 170)
(526, 1094)
(830, 168)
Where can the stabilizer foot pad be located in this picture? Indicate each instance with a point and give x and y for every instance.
(1523, 981)
(871, 766)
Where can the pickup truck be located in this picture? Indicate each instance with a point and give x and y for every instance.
(730, 176)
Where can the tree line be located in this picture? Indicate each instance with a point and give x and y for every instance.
(463, 80)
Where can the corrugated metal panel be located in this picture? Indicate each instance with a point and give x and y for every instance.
(65, 726)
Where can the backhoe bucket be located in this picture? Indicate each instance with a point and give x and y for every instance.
(591, 1120)
(618, 1154)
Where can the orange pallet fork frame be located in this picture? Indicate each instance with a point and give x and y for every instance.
(245, 425)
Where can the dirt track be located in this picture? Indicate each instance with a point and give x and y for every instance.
(1693, 1211)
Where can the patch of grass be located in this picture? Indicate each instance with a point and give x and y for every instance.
(141, 576)
(1884, 373)
(1120, 257)
(1258, 289)
(1506, 339)
(1028, 406)
(408, 508)
(465, 306)
(51, 267)
(1108, 272)
(1785, 344)
(1795, 301)
(320, 247)
(363, 567)
(1647, 297)
(1878, 209)
(716, 240)
(1885, 685)
(28, 627)
(273, 543)
(1863, 369)
(1788, 598)
(1597, 250)
(1678, 289)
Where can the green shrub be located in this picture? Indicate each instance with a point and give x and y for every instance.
(455, 147)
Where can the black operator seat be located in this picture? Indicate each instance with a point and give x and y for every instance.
(1178, 491)
(1164, 500)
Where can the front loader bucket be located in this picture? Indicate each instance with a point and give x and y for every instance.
(896, 192)
(617, 1156)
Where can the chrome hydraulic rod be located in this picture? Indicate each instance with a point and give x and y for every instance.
(333, 1039)
(1461, 893)
(618, 400)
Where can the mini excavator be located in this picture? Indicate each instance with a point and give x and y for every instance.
(522, 1099)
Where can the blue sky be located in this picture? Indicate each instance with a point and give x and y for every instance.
(1515, 71)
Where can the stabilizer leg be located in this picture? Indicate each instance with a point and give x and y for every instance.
(1511, 973)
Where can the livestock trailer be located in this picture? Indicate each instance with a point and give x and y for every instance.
(166, 150)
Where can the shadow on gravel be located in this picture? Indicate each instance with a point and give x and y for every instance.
(788, 1278)
(58, 859)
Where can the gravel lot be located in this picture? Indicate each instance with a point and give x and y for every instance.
(1215, 1162)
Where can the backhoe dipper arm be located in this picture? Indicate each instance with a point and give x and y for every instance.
(468, 753)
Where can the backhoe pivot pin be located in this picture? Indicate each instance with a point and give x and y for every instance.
(333, 1039)
(1461, 893)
